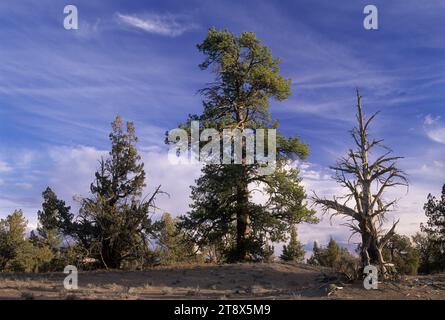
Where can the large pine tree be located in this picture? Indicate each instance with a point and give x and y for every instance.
(247, 77)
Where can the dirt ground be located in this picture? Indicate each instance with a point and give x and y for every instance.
(239, 281)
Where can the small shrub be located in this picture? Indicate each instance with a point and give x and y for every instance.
(27, 295)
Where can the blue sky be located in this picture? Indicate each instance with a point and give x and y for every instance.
(60, 89)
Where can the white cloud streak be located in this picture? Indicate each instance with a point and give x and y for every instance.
(5, 167)
(434, 128)
(165, 25)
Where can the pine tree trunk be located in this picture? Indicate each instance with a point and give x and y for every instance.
(241, 238)
(242, 222)
(242, 215)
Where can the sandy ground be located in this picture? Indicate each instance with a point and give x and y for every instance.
(239, 281)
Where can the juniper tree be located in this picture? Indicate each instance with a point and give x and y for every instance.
(400, 251)
(17, 253)
(327, 257)
(433, 246)
(55, 221)
(435, 226)
(366, 176)
(172, 243)
(336, 257)
(315, 257)
(247, 77)
(294, 251)
(431, 256)
(114, 224)
(12, 237)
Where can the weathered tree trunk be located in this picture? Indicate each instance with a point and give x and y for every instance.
(109, 256)
(366, 182)
(371, 251)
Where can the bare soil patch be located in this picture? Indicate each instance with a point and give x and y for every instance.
(237, 281)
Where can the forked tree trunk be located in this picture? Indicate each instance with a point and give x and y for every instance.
(372, 250)
(366, 182)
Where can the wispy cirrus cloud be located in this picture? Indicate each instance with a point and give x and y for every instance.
(5, 167)
(434, 128)
(24, 185)
(165, 25)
